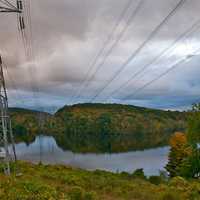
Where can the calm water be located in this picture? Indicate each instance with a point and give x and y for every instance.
(44, 148)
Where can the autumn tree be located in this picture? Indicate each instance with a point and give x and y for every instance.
(184, 157)
(193, 131)
(179, 152)
(104, 124)
(191, 166)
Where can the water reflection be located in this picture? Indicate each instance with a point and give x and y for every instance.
(45, 149)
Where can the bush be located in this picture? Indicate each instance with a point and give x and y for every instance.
(155, 180)
(170, 196)
(178, 182)
(125, 174)
(139, 173)
(191, 166)
(89, 196)
(76, 193)
(163, 175)
(1, 168)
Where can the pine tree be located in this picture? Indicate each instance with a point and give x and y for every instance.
(179, 152)
(193, 131)
(191, 166)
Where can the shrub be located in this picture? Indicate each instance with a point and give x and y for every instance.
(164, 176)
(89, 196)
(155, 180)
(170, 196)
(178, 182)
(191, 166)
(125, 174)
(1, 168)
(139, 173)
(76, 193)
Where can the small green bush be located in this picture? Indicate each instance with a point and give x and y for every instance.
(139, 173)
(125, 174)
(168, 196)
(89, 196)
(178, 182)
(76, 193)
(155, 180)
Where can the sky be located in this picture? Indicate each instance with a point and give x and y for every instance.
(68, 35)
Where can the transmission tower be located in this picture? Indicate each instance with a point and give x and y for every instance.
(5, 128)
(6, 134)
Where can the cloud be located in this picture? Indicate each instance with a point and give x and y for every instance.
(67, 35)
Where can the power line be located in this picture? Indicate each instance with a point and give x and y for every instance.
(12, 82)
(21, 30)
(110, 50)
(10, 4)
(33, 70)
(107, 41)
(133, 56)
(34, 57)
(26, 34)
(22, 20)
(3, 2)
(7, 3)
(194, 27)
(185, 59)
(6, 125)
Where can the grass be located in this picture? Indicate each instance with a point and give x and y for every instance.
(44, 182)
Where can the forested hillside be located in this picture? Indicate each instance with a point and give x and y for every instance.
(27, 123)
(114, 127)
(100, 127)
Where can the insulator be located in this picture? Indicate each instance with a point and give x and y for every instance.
(21, 23)
(19, 5)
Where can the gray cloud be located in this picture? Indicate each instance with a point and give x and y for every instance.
(67, 35)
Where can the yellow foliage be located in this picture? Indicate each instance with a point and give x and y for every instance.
(177, 140)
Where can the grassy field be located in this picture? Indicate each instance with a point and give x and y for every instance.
(39, 182)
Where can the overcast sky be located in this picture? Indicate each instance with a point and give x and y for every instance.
(67, 35)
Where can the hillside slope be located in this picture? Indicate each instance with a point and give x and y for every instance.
(27, 123)
(100, 127)
(114, 127)
(39, 182)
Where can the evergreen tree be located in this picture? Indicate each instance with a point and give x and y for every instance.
(191, 165)
(179, 151)
(193, 132)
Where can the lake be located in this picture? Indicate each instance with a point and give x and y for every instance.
(45, 149)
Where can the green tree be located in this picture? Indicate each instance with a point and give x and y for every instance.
(193, 131)
(179, 151)
(191, 165)
(139, 173)
(184, 157)
(104, 126)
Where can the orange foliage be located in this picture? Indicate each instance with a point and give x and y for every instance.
(177, 140)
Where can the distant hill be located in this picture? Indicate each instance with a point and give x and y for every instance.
(100, 127)
(114, 127)
(27, 123)
(21, 110)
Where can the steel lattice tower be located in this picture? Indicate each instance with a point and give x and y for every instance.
(6, 135)
(5, 126)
